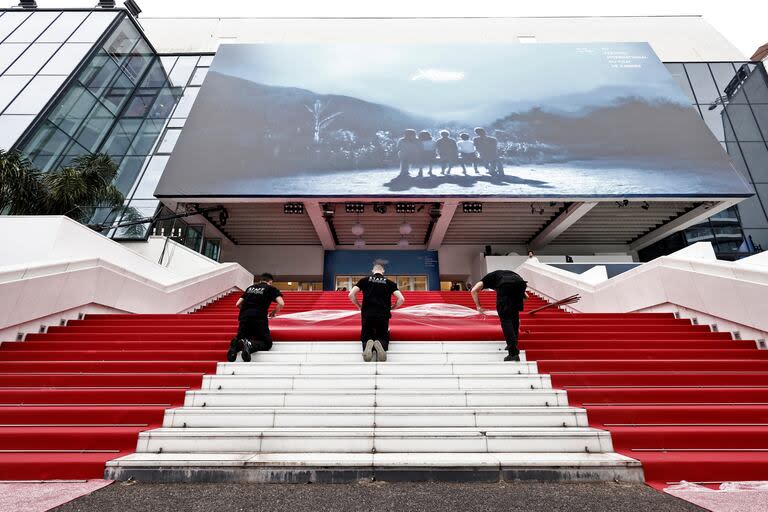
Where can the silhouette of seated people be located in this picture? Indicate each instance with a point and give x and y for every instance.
(467, 152)
(428, 147)
(409, 150)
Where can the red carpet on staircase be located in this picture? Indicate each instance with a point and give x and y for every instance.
(691, 404)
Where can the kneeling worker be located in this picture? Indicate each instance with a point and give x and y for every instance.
(375, 311)
(253, 333)
(510, 297)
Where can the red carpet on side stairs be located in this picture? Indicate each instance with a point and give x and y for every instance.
(691, 404)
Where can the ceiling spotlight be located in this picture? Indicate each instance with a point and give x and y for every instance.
(403, 243)
(405, 228)
(472, 207)
(293, 208)
(622, 204)
(645, 205)
(354, 207)
(380, 208)
(405, 208)
(552, 204)
(358, 229)
(359, 243)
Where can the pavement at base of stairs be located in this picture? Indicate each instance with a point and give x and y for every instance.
(380, 496)
(44, 495)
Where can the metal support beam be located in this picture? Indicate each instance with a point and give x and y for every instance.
(315, 212)
(559, 224)
(441, 226)
(684, 221)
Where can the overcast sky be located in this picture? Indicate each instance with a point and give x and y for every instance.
(743, 22)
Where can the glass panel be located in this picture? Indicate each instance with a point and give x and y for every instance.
(701, 233)
(139, 231)
(73, 109)
(140, 103)
(212, 249)
(35, 95)
(93, 27)
(205, 60)
(703, 84)
(10, 87)
(761, 113)
(169, 141)
(743, 123)
(156, 76)
(73, 150)
(46, 146)
(738, 161)
(32, 27)
(98, 74)
(181, 72)
(194, 238)
(168, 62)
(9, 52)
(121, 41)
(95, 128)
(728, 81)
(137, 63)
(403, 282)
(146, 137)
(756, 155)
(66, 59)
(11, 128)
(420, 283)
(186, 102)
(118, 92)
(33, 59)
(121, 137)
(129, 169)
(678, 73)
(199, 76)
(10, 21)
(63, 27)
(151, 177)
(164, 104)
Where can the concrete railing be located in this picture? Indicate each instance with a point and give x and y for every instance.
(53, 269)
(692, 282)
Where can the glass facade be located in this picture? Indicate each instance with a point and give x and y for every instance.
(118, 103)
(39, 50)
(732, 99)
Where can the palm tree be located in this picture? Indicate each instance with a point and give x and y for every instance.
(20, 186)
(77, 191)
(320, 120)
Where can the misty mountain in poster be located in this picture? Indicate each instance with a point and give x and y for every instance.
(366, 120)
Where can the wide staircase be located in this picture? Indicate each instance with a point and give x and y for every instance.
(689, 403)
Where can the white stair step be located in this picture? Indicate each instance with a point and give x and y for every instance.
(369, 417)
(363, 382)
(326, 459)
(362, 368)
(342, 398)
(393, 356)
(380, 440)
(395, 346)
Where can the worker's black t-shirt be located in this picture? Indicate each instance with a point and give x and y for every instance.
(510, 290)
(377, 295)
(256, 301)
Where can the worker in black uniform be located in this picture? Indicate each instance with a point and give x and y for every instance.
(253, 333)
(510, 298)
(375, 311)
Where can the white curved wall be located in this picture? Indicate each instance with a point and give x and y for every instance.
(53, 268)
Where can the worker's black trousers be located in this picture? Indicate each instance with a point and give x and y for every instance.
(257, 331)
(375, 327)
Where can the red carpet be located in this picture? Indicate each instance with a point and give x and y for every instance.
(689, 403)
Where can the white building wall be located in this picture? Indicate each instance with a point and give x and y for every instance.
(674, 38)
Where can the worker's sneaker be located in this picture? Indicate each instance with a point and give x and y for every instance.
(381, 354)
(368, 351)
(512, 357)
(233, 350)
(247, 351)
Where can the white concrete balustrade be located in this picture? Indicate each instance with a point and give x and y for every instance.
(53, 268)
(691, 282)
(316, 411)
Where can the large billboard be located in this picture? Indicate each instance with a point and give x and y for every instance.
(461, 120)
